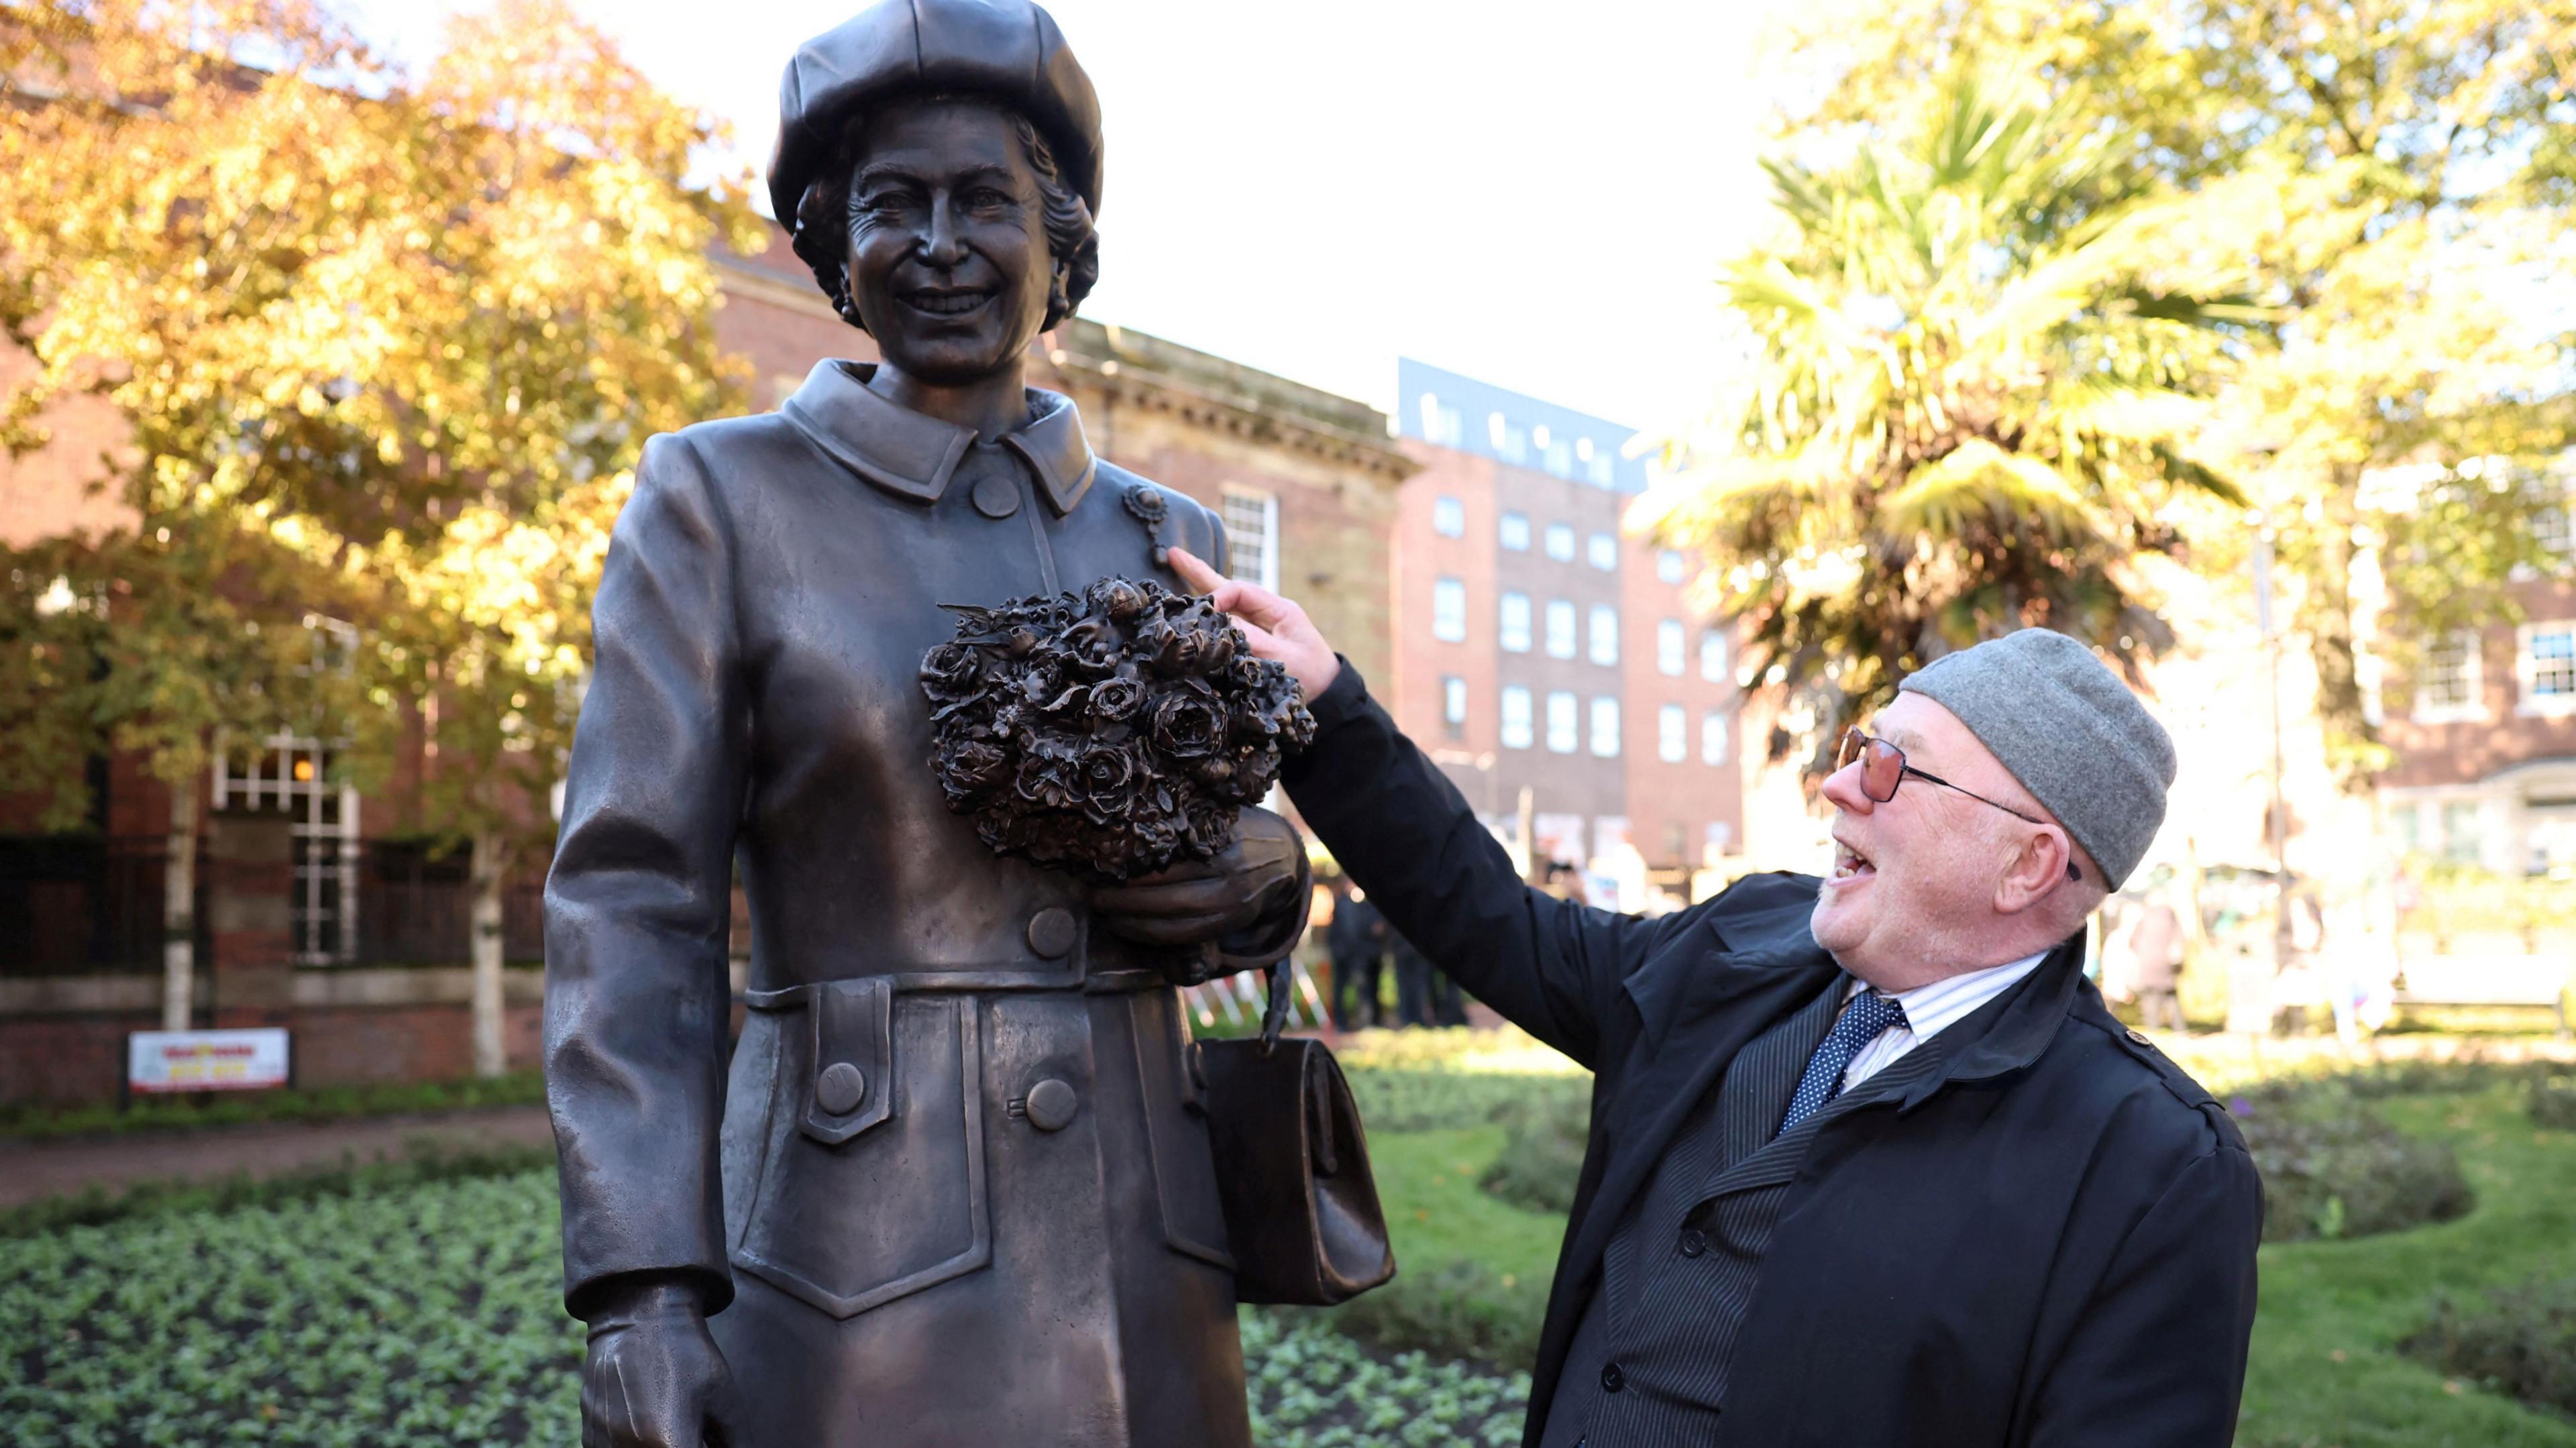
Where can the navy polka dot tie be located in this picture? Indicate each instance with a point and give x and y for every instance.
(1868, 1015)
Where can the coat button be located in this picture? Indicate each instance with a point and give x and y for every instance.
(1051, 1105)
(1694, 1242)
(840, 1089)
(2139, 1036)
(1051, 932)
(1612, 1380)
(996, 496)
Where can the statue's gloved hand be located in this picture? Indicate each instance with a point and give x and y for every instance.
(1250, 899)
(653, 1377)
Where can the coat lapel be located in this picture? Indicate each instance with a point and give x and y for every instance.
(1696, 1013)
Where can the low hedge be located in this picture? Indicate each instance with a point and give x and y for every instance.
(1542, 1160)
(39, 1121)
(2519, 1341)
(2553, 1100)
(2332, 1169)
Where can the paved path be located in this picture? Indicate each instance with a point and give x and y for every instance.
(32, 1171)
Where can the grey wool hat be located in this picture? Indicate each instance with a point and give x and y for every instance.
(2069, 730)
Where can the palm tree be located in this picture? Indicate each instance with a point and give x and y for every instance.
(1977, 368)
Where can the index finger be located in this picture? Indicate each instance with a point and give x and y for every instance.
(1248, 601)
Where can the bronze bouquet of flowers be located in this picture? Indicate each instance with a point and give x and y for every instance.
(1108, 731)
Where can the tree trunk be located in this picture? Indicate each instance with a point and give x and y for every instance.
(491, 1058)
(179, 910)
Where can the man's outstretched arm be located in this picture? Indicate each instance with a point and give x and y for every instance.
(1404, 833)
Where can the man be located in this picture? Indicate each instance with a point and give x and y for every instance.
(955, 1188)
(1356, 939)
(1870, 1163)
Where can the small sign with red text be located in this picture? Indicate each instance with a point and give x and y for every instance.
(238, 1060)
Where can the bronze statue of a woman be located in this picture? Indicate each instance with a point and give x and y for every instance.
(952, 1189)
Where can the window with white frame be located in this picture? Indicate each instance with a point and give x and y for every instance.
(1449, 610)
(1515, 634)
(1602, 552)
(1448, 517)
(1560, 629)
(1516, 717)
(1562, 728)
(2549, 529)
(294, 776)
(1252, 536)
(1605, 727)
(2448, 680)
(1453, 703)
(1713, 735)
(1668, 647)
(1605, 634)
(2545, 666)
(1560, 542)
(1670, 565)
(1672, 734)
(1513, 532)
(1712, 656)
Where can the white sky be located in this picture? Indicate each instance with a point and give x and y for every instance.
(1536, 195)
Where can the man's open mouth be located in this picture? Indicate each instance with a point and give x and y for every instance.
(1850, 864)
(948, 301)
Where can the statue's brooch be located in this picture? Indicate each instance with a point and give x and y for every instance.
(1146, 506)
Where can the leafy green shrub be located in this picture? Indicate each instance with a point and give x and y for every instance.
(2553, 1100)
(1457, 1309)
(1542, 1160)
(38, 1121)
(1313, 1387)
(2332, 1169)
(2521, 1341)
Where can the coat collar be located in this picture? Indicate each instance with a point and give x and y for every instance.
(913, 456)
(2031, 1013)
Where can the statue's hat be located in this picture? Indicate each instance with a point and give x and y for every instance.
(1010, 50)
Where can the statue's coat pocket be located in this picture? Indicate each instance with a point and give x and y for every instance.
(877, 1191)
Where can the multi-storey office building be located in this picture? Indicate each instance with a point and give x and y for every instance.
(1539, 647)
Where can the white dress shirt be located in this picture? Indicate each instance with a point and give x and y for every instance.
(1931, 1009)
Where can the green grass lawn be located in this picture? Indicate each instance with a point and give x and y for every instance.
(2326, 1370)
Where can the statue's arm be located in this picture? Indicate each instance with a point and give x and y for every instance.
(637, 904)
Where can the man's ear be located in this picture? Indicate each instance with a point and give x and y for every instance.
(2034, 870)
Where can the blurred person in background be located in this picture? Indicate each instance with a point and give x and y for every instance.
(2152, 950)
(1357, 940)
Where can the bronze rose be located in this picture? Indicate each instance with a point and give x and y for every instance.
(1106, 731)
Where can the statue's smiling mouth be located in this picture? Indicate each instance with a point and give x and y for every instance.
(948, 301)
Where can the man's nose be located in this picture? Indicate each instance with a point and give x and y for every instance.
(943, 245)
(1842, 789)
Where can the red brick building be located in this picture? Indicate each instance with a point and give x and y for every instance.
(1541, 648)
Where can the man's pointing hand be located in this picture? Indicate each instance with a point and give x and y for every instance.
(1277, 628)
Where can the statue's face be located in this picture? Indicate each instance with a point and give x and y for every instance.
(948, 250)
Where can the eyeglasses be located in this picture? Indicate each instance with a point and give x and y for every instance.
(1883, 768)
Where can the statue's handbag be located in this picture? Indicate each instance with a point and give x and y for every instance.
(1301, 1210)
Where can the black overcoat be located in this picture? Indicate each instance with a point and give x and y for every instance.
(2049, 1241)
(902, 1247)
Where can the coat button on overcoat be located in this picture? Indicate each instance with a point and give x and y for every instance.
(1051, 932)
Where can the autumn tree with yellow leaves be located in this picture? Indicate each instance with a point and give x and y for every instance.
(389, 344)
